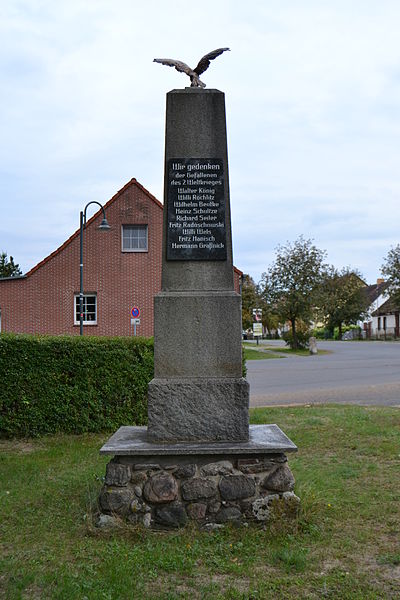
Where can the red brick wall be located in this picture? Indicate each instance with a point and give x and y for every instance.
(43, 302)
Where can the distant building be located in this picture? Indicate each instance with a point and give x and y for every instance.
(386, 320)
(377, 295)
(122, 269)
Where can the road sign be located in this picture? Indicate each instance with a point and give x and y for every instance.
(135, 321)
(135, 312)
(257, 314)
(257, 329)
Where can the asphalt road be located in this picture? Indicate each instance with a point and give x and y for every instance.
(365, 373)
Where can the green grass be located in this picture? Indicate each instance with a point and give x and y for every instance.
(252, 354)
(344, 545)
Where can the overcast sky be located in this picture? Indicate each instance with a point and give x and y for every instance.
(312, 94)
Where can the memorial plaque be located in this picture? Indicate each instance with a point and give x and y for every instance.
(196, 209)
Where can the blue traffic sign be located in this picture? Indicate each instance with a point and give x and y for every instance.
(135, 312)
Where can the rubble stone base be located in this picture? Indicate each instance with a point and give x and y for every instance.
(170, 491)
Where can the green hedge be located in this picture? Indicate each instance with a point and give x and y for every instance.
(72, 384)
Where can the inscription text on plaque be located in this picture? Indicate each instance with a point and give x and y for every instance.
(196, 209)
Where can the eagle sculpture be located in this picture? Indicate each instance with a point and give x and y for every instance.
(195, 73)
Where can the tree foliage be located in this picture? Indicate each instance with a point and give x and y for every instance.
(341, 299)
(7, 266)
(391, 271)
(291, 282)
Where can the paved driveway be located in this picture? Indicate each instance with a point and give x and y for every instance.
(354, 372)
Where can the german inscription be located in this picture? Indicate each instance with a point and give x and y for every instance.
(196, 209)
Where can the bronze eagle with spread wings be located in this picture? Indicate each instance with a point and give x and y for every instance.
(195, 73)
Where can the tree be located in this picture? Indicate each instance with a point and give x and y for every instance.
(391, 270)
(291, 282)
(341, 299)
(7, 267)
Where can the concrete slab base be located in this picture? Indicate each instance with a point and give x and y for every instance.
(263, 439)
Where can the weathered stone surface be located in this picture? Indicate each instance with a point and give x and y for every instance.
(133, 441)
(185, 471)
(261, 508)
(259, 465)
(162, 487)
(198, 409)
(171, 515)
(228, 513)
(147, 520)
(107, 522)
(138, 477)
(214, 506)
(246, 506)
(138, 491)
(117, 474)
(196, 510)
(115, 500)
(275, 507)
(313, 345)
(135, 518)
(198, 488)
(138, 506)
(222, 467)
(235, 487)
(147, 467)
(281, 480)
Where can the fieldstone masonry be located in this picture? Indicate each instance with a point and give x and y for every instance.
(240, 489)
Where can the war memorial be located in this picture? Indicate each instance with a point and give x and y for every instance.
(198, 459)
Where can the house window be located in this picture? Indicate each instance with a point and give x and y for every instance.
(89, 309)
(379, 323)
(134, 238)
(384, 323)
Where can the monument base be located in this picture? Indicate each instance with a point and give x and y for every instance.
(198, 408)
(168, 485)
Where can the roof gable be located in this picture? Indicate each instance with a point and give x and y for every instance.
(132, 182)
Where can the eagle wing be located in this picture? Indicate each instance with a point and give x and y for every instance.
(179, 65)
(204, 62)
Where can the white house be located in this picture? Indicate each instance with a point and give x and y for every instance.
(377, 296)
(386, 320)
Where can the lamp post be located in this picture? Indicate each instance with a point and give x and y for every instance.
(103, 226)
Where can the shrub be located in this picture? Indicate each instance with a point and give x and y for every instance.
(303, 337)
(72, 384)
(321, 333)
(345, 329)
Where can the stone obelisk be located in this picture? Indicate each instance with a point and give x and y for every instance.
(198, 392)
(198, 459)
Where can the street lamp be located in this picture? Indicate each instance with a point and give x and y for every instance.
(104, 226)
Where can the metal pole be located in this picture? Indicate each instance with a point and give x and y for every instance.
(81, 278)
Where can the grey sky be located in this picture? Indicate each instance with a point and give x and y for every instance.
(312, 93)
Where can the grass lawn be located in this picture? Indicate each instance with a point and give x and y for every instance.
(345, 544)
(250, 351)
(253, 354)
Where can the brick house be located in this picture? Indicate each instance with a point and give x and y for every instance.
(122, 269)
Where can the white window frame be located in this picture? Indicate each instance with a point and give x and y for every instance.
(76, 309)
(138, 225)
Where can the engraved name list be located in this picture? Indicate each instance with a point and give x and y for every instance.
(196, 209)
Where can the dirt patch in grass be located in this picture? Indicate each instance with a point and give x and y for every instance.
(19, 446)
